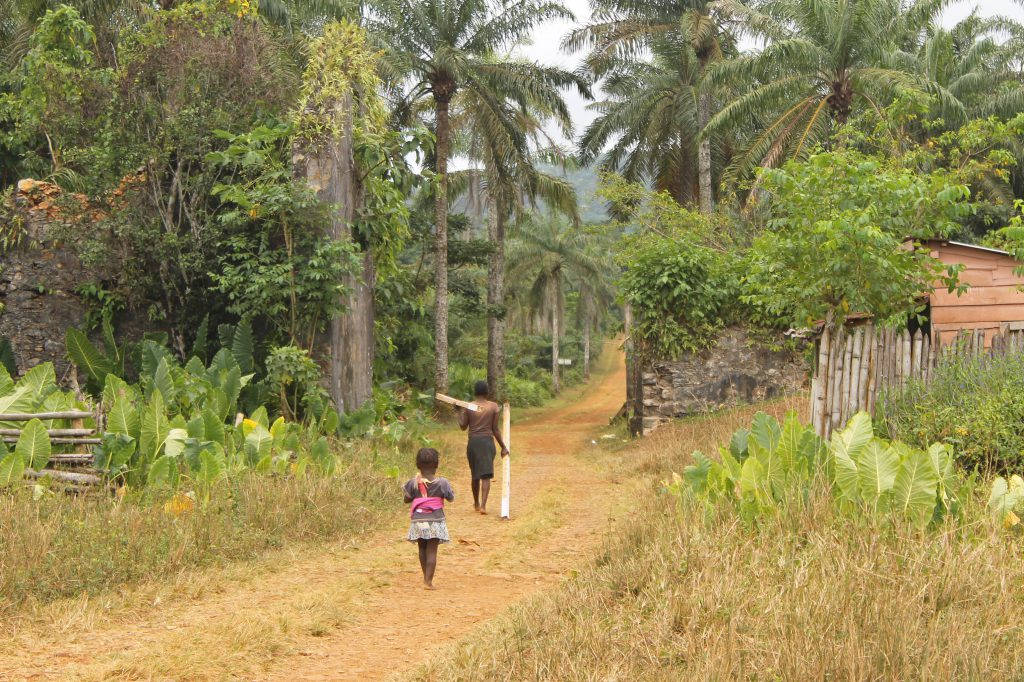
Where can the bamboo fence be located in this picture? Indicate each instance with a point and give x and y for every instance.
(855, 364)
(72, 469)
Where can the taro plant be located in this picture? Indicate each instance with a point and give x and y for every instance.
(771, 464)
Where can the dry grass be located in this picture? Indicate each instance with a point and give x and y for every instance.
(681, 593)
(61, 546)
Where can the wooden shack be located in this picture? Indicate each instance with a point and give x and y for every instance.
(993, 303)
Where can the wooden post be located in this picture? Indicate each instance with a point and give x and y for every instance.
(857, 359)
(876, 361)
(844, 387)
(915, 363)
(865, 368)
(506, 464)
(907, 359)
(821, 381)
(839, 348)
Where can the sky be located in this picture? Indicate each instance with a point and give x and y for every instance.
(547, 39)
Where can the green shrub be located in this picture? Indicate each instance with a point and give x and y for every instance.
(774, 465)
(974, 404)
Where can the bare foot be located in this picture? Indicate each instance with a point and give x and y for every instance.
(429, 586)
(482, 511)
(476, 507)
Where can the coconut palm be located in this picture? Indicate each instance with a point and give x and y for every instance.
(433, 49)
(698, 30)
(821, 61)
(546, 251)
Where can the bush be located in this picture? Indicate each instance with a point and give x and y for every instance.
(975, 404)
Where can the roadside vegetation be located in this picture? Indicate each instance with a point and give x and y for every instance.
(795, 581)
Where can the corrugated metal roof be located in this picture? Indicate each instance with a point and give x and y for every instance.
(979, 248)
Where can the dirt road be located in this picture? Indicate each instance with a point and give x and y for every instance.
(344, 612)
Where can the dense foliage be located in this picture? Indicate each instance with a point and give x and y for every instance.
(772, 465)
(973, 403)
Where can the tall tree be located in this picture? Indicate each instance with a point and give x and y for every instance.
(631, 28)
(547, 251)
(340, 103)
(435, 48)
(821, 60)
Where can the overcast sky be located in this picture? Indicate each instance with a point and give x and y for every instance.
(548, 38)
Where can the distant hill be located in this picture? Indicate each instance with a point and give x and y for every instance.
(592, 208)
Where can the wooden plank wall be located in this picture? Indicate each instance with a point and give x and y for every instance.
(855, 364)
(993, 299)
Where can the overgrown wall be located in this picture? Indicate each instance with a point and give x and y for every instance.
(38, 279)
(733, 371)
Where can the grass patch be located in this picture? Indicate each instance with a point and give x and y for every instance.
(683, 591)
(61, 546)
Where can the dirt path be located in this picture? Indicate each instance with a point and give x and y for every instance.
(344, 612)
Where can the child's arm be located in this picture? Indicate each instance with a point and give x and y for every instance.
(405, 493)
(447, 492)
(497, 433)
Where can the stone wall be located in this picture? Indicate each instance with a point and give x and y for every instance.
(38, 279)
(731, 372)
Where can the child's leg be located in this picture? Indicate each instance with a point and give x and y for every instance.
(485, 490)
(430, 561)
(476, 493)
(422, 546)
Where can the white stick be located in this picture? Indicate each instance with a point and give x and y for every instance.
(506, 465)
(472, 407)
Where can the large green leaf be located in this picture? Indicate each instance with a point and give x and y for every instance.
(847, 446)
(751, 477)
(913, 492)
(114, 453)
(199, 346)
(38, 379)
(174, 443)
(766, 431)
(7, 360)
(243, 347)
(87, 357)
(212, 465)
(12, 468)
(163, 380)
(738, 444)
(696, 474)
(34, 445)
(1005, 496)
(123, 418)
(6, 381)
(213, 426)
(877, 467)
(154, 427)
(164, 472)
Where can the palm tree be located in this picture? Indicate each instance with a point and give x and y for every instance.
(435, 48)
(547, 250)
(651, 117)
(972, 69)
(822, 60)
(628, 29)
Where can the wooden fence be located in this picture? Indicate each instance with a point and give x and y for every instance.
(855, 364)
(72, 469)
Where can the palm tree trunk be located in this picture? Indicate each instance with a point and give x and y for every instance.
(586, 350)
(707, 201)
(496, 302)
(555, 323)
(441, 251)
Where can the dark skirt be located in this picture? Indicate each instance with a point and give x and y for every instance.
(480, 452)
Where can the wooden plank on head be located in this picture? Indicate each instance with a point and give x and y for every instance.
(472, 407)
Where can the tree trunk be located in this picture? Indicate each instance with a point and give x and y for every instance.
(555, 324)
(707, 201)
(330, 172)
(586, 349)
(441, 251)
(496, 302)
(357, 335)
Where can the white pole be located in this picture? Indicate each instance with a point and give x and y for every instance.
(506, 464)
